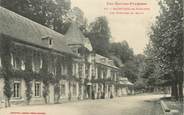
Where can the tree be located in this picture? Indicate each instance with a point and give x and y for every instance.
(128, 62)
(130, 71)
(6, 71)
(122, 51)
(99, 35)
(166, 45)
(45, 12)
(124, 57)
(78, 15)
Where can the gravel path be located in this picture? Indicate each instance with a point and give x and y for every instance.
(130, 105)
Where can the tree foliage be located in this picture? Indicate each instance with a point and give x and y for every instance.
(122, 51)
(166, 44)
(45, 12)
(99, 35)
(130, 64)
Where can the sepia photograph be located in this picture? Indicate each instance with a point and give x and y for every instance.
(91, 57)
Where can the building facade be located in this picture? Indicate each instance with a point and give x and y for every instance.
(40, 66)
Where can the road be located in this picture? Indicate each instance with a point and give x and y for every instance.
(130, 105)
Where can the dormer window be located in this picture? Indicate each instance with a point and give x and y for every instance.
(48, 41)
(103, 59)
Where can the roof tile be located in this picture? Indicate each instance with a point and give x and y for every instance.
(24, 29)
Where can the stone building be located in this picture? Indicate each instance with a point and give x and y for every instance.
(80, 46)
(104, 77)
(39, 65)
(124, 87)
(35, 62)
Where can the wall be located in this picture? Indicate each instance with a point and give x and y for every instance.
(1, 92)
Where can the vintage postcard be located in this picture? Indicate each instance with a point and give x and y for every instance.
(91, 57)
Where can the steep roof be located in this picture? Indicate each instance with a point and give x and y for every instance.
(105, 61)
(125, 82)
(23, 29)
(74, 36)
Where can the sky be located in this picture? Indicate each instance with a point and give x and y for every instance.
(132, 28)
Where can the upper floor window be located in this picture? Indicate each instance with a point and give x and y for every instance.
(99, 71)
(75, 50)
(102, 74)
(12, 60)
(37, 63)
(73, 69)
(96, 73)
(52, 68)
(17, 62)
(64, 69)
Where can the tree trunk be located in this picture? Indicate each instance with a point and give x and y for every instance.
(180, 85)
(9, 105)
(174, 91)
(70, 93)
(181, 91)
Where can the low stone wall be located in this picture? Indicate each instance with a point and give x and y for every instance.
(172, 107)
(37, 101)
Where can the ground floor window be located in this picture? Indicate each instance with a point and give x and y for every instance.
(74, 89)
(37, 89)
(16, 89)
(0, 62)
(63, 89)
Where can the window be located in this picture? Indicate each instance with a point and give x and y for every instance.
(52, 65)
(77, 70)
(22, 65)
(12, 60)
(15, 62)
(75, 50)
(74, 71)
(0, 63)
(74, 90)
(52, 70)
(63, 89)
(61, 69)
(96, 73)
(80, 69)
(64, 70)
(16, 89)
(102, 72)
(50, 43)
(37, 63)
(115, 76)
(37, 89)
(41, 63)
